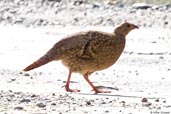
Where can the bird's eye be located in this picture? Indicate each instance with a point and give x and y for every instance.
(128, 25)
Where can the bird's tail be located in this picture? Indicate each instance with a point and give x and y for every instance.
(48, 57)
(43, 60)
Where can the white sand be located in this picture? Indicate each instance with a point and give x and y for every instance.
(144, 73)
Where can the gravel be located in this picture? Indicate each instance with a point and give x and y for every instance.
(141, 75)
(34, 13)
(66, 102)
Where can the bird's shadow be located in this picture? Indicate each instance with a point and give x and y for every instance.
(113, 95)
(105, 87)
(118, 95)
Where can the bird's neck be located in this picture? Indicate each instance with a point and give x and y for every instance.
(119, 34)
(120, 39)
(120, 31)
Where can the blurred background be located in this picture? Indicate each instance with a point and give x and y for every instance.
(35, 13)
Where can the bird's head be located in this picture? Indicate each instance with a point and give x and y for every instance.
(125, 28)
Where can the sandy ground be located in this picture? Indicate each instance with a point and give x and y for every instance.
(142, 73)
(140, 80)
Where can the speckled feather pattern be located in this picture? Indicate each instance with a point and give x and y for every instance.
(89, 51)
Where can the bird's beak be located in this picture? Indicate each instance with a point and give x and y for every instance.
(136, 27)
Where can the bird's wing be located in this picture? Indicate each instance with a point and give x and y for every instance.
(86, 45)
(95, 44)
(86, 50)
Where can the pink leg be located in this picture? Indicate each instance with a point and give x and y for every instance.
(94, 88)
(68, 82)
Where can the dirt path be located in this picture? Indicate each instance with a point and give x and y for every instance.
(142, 72)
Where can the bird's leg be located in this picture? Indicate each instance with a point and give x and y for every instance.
(68, 82)
(94, 88)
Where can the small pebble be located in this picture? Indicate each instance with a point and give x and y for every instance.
(13, 79)
(26, 74)
(20, 72)
(18, 108)
(144, 100)
(157, 100)
(33, 95)
(10, 91)
(53, 94)
(53, 104)
(41, 105)
(25, 100)
(110, 102)
(147, 104)
(103, 103)
(88, 103)
(106, 111)
(123, 103)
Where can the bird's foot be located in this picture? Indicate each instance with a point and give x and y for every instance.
(71, 90)
(101, 91)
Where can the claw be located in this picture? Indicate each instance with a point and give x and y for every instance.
(94, 88)
(71, 90)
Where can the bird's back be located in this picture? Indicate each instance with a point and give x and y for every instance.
(90, 51)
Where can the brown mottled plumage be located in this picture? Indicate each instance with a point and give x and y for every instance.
(87, 52)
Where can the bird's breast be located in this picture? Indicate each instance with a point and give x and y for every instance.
(105, 57)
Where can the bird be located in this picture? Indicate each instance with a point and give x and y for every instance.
(86, 52)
